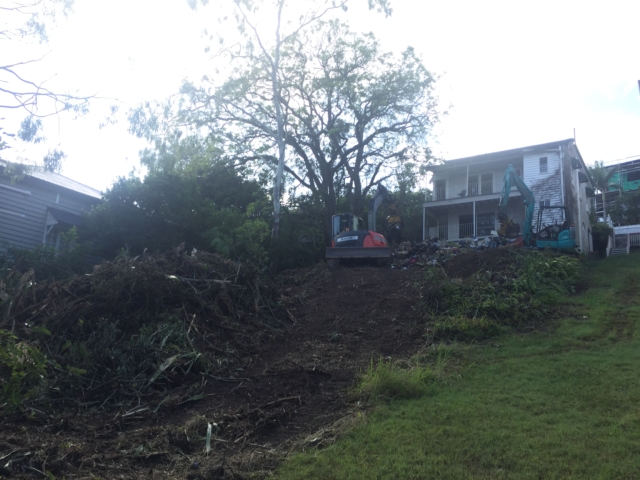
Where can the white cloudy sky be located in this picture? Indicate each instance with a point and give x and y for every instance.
(515, 73)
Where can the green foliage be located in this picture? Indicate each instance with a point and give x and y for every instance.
(385, 381)
(46, 262)
(601, 177)
(545, 272)
(22, 367)
(477, 306)
(208, 207)
(600, 233)
(387, 108)
(464, 328)
(626, 210)
(301, 242)
(560, 403)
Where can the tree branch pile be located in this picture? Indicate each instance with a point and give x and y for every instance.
(139, 327)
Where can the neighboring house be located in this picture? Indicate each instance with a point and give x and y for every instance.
(37, 208)
(626, 178)
(466, 191)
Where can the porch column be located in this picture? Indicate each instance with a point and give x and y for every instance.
(474, 217)
(466, 187)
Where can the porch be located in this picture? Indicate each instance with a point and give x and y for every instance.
(470, 219)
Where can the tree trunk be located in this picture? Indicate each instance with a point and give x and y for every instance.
(277, 183)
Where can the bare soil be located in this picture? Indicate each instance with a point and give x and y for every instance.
(287, 392)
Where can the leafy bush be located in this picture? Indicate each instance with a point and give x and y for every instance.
(476, 307)
(22, 367)
(600, 233)
(47, 262)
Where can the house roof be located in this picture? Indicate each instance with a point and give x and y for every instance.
(62, 181)
(503, 154)
(509, 154)
(623, 166)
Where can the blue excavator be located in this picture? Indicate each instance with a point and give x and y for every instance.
(557, 236)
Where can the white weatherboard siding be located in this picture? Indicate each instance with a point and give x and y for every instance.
(544, 185)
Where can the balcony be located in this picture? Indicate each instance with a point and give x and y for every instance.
(462, 189)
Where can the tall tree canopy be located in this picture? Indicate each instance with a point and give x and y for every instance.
(266, 50)
(353, 114)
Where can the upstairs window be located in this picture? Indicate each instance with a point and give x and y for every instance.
(543, 164)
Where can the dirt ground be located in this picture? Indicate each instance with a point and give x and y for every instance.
(291, 392)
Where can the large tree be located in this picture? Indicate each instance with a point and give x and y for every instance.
(353, 113)
(261, 46)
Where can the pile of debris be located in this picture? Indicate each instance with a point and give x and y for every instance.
(136, 327)
(433, 251)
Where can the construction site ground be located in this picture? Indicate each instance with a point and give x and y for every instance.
(288, 392)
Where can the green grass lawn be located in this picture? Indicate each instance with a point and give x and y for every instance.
(564, 403)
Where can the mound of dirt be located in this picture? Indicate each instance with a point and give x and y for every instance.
(495, 260)
(145, 354)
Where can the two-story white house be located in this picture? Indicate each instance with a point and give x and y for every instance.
(466, 191)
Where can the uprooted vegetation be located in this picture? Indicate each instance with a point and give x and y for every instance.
(135, 325)
(136, 364)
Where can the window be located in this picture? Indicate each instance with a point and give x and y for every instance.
(472, 187)
(543, 164)
(440, 187)
(633, 176)
(485, 222)
(544, 203)
(486, 183)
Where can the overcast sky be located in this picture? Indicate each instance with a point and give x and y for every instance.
(514, 73)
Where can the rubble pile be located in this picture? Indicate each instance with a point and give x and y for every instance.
(434, 251)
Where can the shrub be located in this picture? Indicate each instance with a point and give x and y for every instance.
(524, 289)
(600, 233)
(22, 367)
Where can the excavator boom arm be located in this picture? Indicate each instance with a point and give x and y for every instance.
(511, 177)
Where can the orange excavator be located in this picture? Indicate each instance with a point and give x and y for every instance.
(352, 240)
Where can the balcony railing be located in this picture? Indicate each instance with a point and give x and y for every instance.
(465, 230)
(453, 190)
(441, 232)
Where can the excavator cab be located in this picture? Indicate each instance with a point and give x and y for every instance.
(560, 233)
(351, 240)
(345, 222)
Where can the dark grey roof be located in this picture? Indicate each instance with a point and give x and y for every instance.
(62, 181)
(66, 182)
(66, 217)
